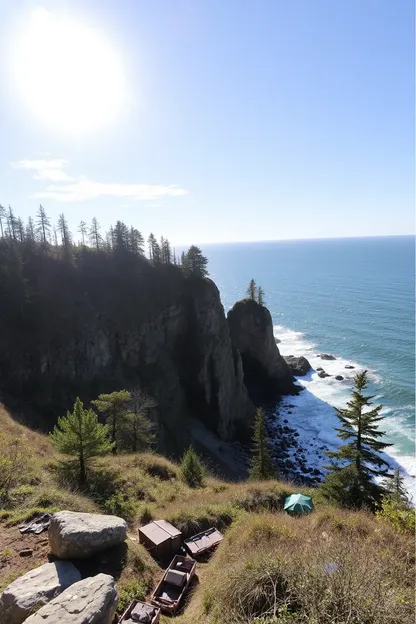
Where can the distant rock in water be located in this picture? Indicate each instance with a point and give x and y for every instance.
(349, 366)
(266, 373)
(339, 377)
(322, 374)
(298, 365)
(327, 356)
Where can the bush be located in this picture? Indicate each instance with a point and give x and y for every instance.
(122, 506)
(192, 470)
(128, 591)
(15, 466)
(398, 514)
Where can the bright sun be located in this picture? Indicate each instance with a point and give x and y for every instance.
(68, 74)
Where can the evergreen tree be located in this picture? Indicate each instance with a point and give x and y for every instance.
(95, 236)
(63, 229)
(151, 241)
(2, 219)
(30, 230)
(260, 296)
(43, 225)
(394, 487)
(262, 467)
(350, 481)
(83, 230)
(194, 263)
(115, 408)
(12, 224)
(252, 290)
(120, 237)
(166, 253)
(136, 241)
(79, 434)
(55, 236)
(20, 230)
(192, 470)
(137, 431)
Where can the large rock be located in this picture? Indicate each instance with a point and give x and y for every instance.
(74, 535)
(90, 601)
(327, 356)
(298, 365)
(34, 589)
(265, 370)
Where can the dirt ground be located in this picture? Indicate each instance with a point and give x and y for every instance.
(12, 542)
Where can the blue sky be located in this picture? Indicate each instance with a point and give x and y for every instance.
(213, 120)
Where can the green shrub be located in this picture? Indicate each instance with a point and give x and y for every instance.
(122, 506)
(400, 515)
(192, 469)
(129, 590)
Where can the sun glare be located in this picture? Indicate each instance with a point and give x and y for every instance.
(67, 73)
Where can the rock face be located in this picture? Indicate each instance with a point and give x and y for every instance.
(298, 365)
(35, 589)
(251, 330)
(74, 535)
(168, 335)
(90, 601)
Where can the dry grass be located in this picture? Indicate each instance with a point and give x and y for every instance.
(337, 567)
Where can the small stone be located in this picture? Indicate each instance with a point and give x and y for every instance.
(349, 366)
(339, 377)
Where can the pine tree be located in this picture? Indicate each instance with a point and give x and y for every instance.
(260, 296)
(120, 237)
(79, 434)
(12, 224)
(20, 228)
(192, 470)
(151, 241)
(95, 236)
(30, 230)
(43, 225)
(262, 467)
(194, 263)
(252, 290)
(2, 219)
(350, 481)
(63, 229)
(394, 487)
(136, 241)
(166, 253)
(115, 407)
(137, 430)
(83, 230)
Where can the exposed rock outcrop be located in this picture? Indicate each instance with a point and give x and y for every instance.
(251, 330)
(298, 365)
(327, 356)
(92, 600)
(35, 589)
(322, 374)
(74, 535)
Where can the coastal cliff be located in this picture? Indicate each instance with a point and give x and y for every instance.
(266, 373)
(85, 333)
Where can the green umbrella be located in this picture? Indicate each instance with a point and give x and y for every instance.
(298, 503)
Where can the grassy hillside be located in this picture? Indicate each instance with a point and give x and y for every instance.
(331, 566)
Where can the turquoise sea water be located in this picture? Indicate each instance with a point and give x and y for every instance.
(353, 298)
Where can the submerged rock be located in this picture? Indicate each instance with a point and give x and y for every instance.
(74, 535)
(339, 377)
(349, 366)
(35, 589)
(298, 365)
(90, 601)
(327, 356)
(322, 374)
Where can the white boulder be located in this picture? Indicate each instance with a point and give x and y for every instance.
(35, 589)
(90, 601)
(74, 535)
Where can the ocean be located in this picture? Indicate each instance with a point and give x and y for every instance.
(352, 298)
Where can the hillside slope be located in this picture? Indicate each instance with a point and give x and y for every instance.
(329, 567)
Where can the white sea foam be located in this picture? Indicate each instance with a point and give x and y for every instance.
(312, 412)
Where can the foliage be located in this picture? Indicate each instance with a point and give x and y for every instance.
(262, 466)
(350, 481)
(394, 487)
(192, 470)
(128, 591)
(137, 429)
(194, 263)
(260, 296)
(122, 506)
(79, 434)
(15, 466)
(399, 514)
(252, 289)
(115, 408)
